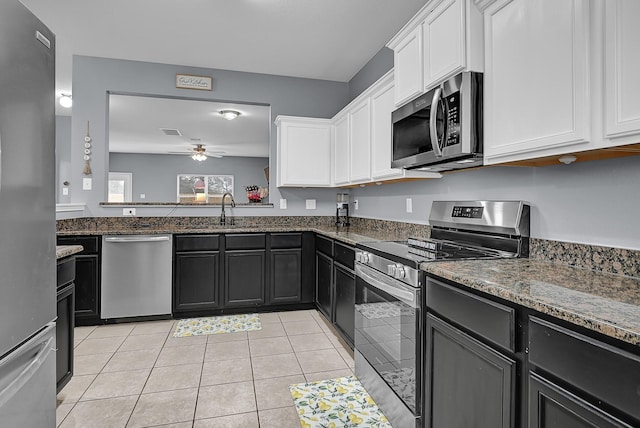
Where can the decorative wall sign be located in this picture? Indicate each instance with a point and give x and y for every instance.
(188, 81)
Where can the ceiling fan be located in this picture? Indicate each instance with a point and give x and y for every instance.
(199, 153)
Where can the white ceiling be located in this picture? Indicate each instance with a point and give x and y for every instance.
(320, 39)
(135, 124)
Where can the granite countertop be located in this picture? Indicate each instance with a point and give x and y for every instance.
(606, 303)
(63, 251)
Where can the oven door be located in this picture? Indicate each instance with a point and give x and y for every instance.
(388, 331)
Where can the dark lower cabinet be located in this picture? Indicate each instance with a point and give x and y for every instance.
(345, 300)
(244, 278)
(551, 406)
(196, 281)
(65, 321)
(467, 383)
(285, 278)
(87, 282)
(324, 284)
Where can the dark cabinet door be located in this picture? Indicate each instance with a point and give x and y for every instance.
(285, 279)
(345, 300)
(87, 288)
(196, 281)
(244, 278)
(467, 383)
(324, 284)
(550, 406)
(64, 335)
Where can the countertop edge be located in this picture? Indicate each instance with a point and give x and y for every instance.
(63, 251)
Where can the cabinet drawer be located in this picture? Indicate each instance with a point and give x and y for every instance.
(344, 255)
(90, 244)
(324, 245)
(286, 240)
(245, 241)
(197, 242)
(489, 319)
(66, 271)
(603, 371)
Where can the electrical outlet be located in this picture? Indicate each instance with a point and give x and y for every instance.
(409, 205)
(86, 184)
(283, 204)
(129, 212)
(143, 195)
(311, 204)
(65, 191)
(355, 204)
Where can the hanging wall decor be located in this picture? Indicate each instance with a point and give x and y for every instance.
(87, 152)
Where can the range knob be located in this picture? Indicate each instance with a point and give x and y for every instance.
(391, 270)
(400, 273)
(364, 257)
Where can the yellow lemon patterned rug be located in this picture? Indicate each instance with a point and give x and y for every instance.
(217, 325)
(336, 403)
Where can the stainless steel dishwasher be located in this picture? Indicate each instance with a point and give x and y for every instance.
(136, 276)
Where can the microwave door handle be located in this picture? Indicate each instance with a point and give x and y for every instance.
(433, 117)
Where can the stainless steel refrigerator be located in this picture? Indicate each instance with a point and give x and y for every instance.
(27, 220)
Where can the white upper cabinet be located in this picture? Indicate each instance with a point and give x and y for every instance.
(304, 152)
(442, 39)
(407, 61)
(382, 105)
(341, 149)
(360, 141)
(622, 68)
(536, 80)
(452, 41)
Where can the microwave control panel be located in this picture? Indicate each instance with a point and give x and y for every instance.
(452, 107)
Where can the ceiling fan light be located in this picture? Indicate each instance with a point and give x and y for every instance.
(65, 100)
(198, 157)
(229, 114)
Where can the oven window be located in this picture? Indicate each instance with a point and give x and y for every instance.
(385, 334)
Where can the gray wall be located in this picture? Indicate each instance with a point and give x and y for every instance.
(591, 202)
(155, 175)
(63, 156)
(372, 71)
(94, 77)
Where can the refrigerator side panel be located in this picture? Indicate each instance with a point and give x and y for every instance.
(27, 199)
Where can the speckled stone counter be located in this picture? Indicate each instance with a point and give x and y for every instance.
(63, 251)
(608, 304)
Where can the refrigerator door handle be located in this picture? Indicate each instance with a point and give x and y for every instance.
(21, 375)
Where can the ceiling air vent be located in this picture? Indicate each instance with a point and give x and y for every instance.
(172, 132)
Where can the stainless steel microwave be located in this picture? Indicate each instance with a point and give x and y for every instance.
(442, 129)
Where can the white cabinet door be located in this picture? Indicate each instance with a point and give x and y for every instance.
(444, 42)
(360, 141)
(622, 67)
(536, 78)
(304, 152)
(407, 59)
(382, 105)
(341, 150)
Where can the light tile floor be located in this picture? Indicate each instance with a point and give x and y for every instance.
(138, 375)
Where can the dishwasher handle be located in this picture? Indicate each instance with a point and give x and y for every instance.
(144, 238)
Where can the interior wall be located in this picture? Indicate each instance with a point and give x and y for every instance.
(155, 175)
(94, 78)
(591, 202)
(63, 157)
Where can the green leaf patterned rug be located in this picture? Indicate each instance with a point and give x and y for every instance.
(217, 325)
(336, 403)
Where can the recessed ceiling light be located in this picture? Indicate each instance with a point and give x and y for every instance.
(229, 114)
(65, 100)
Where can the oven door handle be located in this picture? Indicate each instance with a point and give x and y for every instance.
(433, 119)
(388, 285)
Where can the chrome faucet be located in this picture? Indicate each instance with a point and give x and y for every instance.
(223, 217)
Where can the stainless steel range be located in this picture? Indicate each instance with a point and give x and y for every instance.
(389, 302)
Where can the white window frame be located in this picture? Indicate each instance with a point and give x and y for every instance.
(127, 177)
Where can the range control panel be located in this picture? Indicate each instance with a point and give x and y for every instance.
(467, 212)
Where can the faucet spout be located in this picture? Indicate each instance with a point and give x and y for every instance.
(223, 217)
